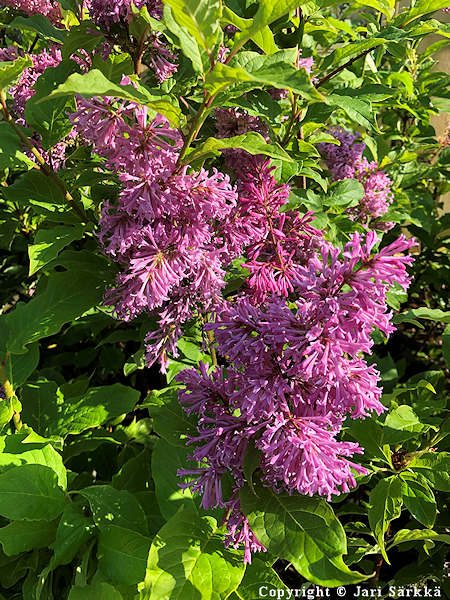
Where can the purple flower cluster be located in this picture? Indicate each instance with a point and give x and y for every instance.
(346, 161)
(8, 53)
(119, 12)
(24, 90)
(48, 8)
(106, 14)
(294, 371)
(161, 58)
(277, 243)
(237, 121)
(170, 229)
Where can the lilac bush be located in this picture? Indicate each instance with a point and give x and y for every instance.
(221, 240)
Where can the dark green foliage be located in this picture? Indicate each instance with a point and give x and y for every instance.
(91, 440)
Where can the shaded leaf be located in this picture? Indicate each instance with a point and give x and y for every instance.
(115, 507)
(49, 242)
(30, 492)
(304, 531)
(23, 536)
(188, 561)
(122, 554)
(385, 505)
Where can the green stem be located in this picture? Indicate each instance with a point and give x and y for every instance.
(195, 127)
(40, 160)
(294, 115)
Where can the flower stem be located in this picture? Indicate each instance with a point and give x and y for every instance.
(294, 115)
(42, 165)
(195, 127)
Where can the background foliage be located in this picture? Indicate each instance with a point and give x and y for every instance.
(90, 439)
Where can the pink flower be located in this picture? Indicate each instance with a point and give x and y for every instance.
(48, 8)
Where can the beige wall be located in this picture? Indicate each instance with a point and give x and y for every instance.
(441, 121)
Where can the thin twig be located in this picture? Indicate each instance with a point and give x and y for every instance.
(195, 127)
(46, 170)
(33, 45)
(327, 78)
(140, 53)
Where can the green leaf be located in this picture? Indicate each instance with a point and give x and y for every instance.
(188, 43)
(122, 554)
(402, 424)
(115, 507)
(169, 419)
(369, 434)
(50, 414)
(341, 55)
(385, 505)
(384, 6)
(304, 531)
(74, 530)
(42, 194)
(11, 71)
(115, 67)
(135, 363)
(412, 535)
(315, 176)
(51, 118)
(135, 475)
(80, 37)
(359, 111)
(188, 561)
(258, 574)
(166, 460)
(252, 461)
(423, 7)
(66, 296)
(11, 146)
(435, 467)
(29, 448)
(20, 366)
(49, 242)
(433, 314)
(418, 498)
(24, 536)
(268, 12)
(40, 25)
(405, 79)
(200, 18)
(224, 78)
(348, 192)
(262, 38)
(358, 548)
(94, 83)
(30, 492)
(252, 142)
(446, 345)
(95, 591)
